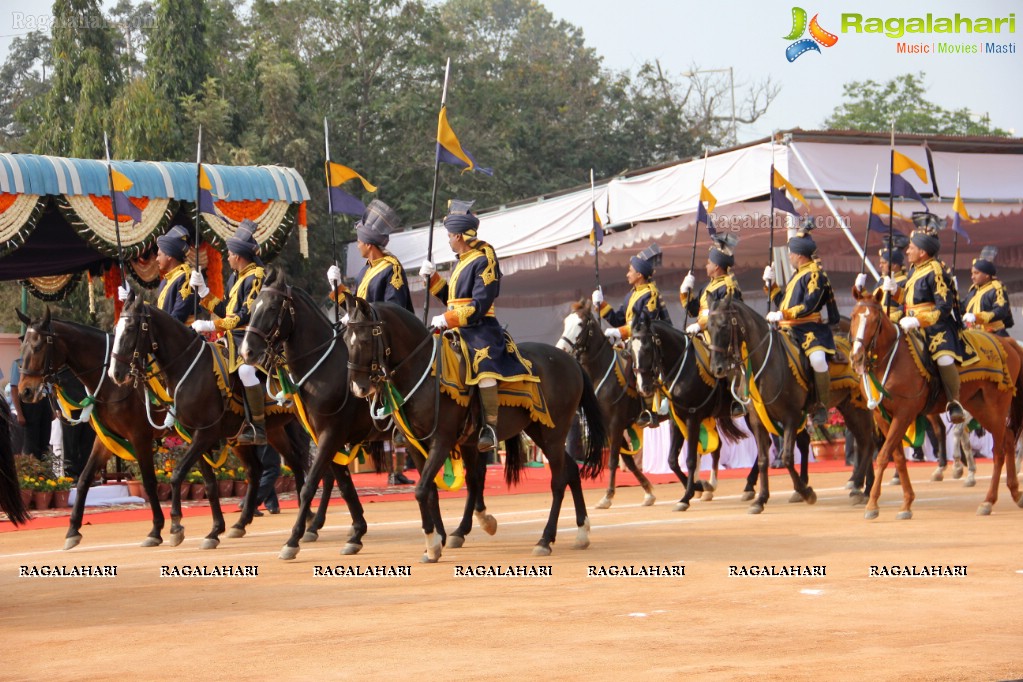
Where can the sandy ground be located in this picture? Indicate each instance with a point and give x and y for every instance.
(288, 624)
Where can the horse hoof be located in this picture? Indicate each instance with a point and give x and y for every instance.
(970, 481)
(649, 499)
(708, 495)
(310, 536)
(904, 515)
(351, 548)
(209, 543)
(541, 550)
(857, 499)
(850, 485)
(73, 541)
(425, 559)
(150, 541)
(871, 514)
(288, 553)
(984, 509)
(581, 543)
(177, 538)
(811, 496)
(957, 471)
(747, 495)
(796, 497)
(709, 487)
(582, 535)
(681, 506)
(938, 475)
(489, 524)
(755, 509)
(456, 541)
(605, 503)
(236, 532)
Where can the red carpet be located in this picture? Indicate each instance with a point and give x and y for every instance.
(373, 488)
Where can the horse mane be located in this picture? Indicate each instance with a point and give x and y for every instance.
(304, 296)
(581, 304)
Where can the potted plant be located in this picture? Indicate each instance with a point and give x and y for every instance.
(42, 492)
(197, 486)
(62, 491)
(225, 481)
(163, 484)
(828, 441)
(241, 482)
(28, 469)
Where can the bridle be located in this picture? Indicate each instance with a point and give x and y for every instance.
(582, 344)
(273, 340)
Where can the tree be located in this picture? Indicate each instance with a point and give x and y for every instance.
(872, 106)
(23, 84)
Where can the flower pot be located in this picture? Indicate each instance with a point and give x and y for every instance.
(825, 451)
(163, 491)
(289, 484)
(60, 498)
(240, 488)
(42, 499)
(225, 488)
(135, 488)
(198, 491)
(186, 489)
(26, 497)
(279, 485)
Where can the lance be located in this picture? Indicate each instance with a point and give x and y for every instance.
(696, 234)
(113, 205)
(596, 244)
(891, 209)
(198, 193)
(330, 212)
(866, 233)
(433, 197)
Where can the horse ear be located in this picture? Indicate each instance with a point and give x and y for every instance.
(349, 303)
(26, 320)
(45, 322)
(878, 295)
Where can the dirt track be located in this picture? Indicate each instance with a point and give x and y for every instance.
(287, 624)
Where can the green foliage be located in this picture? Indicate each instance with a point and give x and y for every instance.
(872, 106)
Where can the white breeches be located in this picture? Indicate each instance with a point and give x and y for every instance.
(247, 373)
(819, 361)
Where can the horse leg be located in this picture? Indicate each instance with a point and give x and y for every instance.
(202, 441)
(802, 441)
(751, 479)
(213, 495)
(616, 441)
(648, 498)
(426, 497)
(710, 486)
(560, 479)
(329, 442)
(346, 486)
(892, 449)
(582, 521)
(940, 452)
(98, 454)
(315, 521)
(861, 426)
(971, 460)
(475, 482)
(803, 491)
(763, 465)
(253, 472)
(692, 463)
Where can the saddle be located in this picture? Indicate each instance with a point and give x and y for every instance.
(842, 374)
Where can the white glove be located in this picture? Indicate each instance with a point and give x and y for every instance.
(597, 297)
(427, 269)
(775, 316)
(890, 285)
(439, 322)
(199, 284)
(861, 281)
(970, 318)
(687, 284)
(768, 276)
(334, 276)
(694, 328)
(123, 292)
(909, 322)
(613, 334)
(202, 326)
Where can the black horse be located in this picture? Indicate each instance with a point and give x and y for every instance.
(749, 351)
(148, 340)
(10, 490)
(392, 351)
(288, 327)
(666, 360)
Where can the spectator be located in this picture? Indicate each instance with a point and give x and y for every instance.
(267, 495)
(77, 438)
(35, 417)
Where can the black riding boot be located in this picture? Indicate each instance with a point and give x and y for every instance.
(950, 380)
(822, 382)
(488, 434)
(253, 431)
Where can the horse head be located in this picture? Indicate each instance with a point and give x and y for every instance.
(865, 327)
(367, 351)
(130, 333)
(40, 358)
(722, 327)
(645, 347)
(580, 330)
(271, 322)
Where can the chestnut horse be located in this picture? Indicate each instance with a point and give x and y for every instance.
(11, 502)
(882, 357)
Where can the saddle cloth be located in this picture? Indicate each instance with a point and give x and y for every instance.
(984, 359)
(843, 377)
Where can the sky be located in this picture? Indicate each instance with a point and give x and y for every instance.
(749, 36)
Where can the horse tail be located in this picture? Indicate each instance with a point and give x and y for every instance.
(299, 440)
(596, 440)
(1016, 406)
(731, 432)
(513, 459)
(10, 492)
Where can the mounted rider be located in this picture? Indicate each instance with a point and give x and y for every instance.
(232, 316)
(382, 278)
(806, 311)
(893, 276)
(470, 294)
(987, 305)
(175, 296)
(644, 298)
(931, 306)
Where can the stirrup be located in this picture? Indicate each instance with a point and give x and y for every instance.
(398, 437)
(738, 409)
(648, 420)
(820, 415)
(250, 435)
(956, 415)
(487, 440)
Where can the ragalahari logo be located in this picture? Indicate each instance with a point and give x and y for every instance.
(818, 36)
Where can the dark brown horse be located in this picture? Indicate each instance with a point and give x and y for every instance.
(10, 489)
(148, 340)
(882, 357)
(744, 347)
(288, 327)
(391, 351)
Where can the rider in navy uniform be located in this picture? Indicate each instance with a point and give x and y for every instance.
(382, 278)
(232, 316)
(807, 309)
(722, 284)
(470, 294)
(931, 302)
(644, 297)
(987, 305)
(893, 282)
(175, 296)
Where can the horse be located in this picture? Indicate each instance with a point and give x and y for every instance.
(390, 351)
(11, 502)
(880, 346)
(287, 327)
(665, 360)
(149, 342)
(619, 403)
(745, 347)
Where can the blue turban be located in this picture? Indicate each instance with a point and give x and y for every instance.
(174, 243)
(461, 223)
(243, 243)
(377, 223)
(985, 266)
(643, 267)
(895, 257)
(721, 258)
(803, 245)
(926, 242)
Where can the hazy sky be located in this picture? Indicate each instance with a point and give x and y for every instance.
(749, 36)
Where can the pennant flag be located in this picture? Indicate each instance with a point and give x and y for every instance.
(880, 208)
(122, 204)
(902, 188)
(449, 149)
(703, 217)
(340, 200)
(959, 215)
(779, 200)
(779, 181)
(597, 231)
(877, 224)
(705, 195)
(206, 203)
(902, 163)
